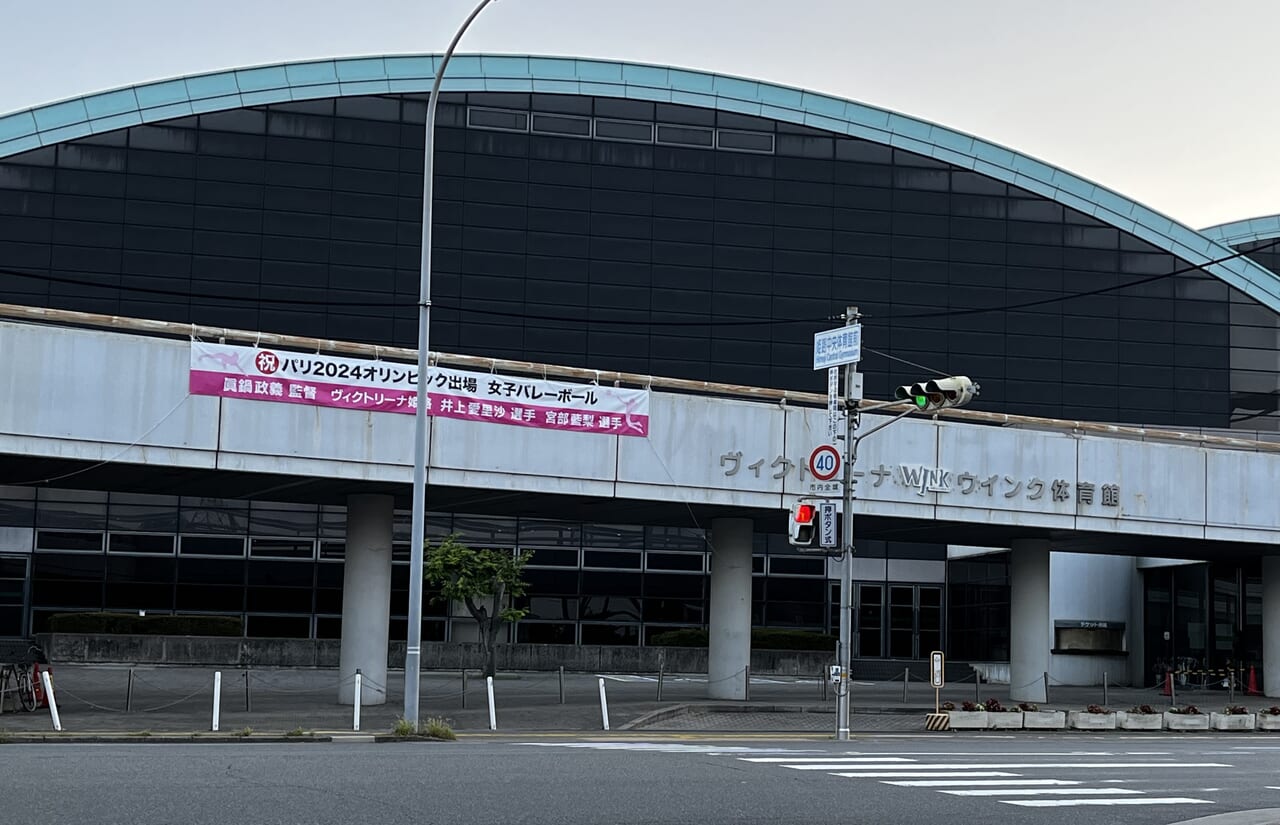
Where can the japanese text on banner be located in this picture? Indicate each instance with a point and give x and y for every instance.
(231, 371)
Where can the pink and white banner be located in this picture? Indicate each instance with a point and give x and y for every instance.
(230, 371)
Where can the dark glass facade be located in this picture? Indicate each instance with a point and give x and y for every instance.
(654, 238)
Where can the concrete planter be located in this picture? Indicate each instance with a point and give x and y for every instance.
(1140, 721)
(1232, 721)
(1079, 720)
(1044, 719)
(1267, 721)
(969, 719)
(1005, 720)
(1186, 721)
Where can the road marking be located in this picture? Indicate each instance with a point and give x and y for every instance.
(1037, 791)
(910, 774)
(1272, 787)
(835, 765)
(967, 783)
(988, 753)
(829, 759)
(1071, 803)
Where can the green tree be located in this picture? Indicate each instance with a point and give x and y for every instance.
(485, 581)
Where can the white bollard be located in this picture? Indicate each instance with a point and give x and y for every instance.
(217, 698)
(53, 703)
(493, 719)
(604, 705)
(355, 723)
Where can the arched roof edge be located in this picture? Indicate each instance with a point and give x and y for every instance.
(280, 82)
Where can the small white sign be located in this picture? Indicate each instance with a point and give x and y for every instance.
(833, 403)
(936, 669)
(826, 488)
(833, 674)
(836, 347)
(827, 521)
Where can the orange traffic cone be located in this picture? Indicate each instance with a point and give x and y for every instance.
(1252, 689)
(1168, 685)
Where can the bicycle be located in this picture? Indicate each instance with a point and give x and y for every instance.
(16, 678)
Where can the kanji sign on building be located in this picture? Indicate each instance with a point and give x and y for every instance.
(231, 371)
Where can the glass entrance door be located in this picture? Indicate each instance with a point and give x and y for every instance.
(13, 596)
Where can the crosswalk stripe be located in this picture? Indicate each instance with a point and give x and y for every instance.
(968, 783)
(1070, 803)
(801, 759)
(1043, 791)
(909, 774)
(835, 766)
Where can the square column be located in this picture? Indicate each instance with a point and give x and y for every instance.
(1028, 619)
(729, 645)
(366, 599)
(1271, 625)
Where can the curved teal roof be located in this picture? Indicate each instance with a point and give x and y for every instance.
(1263, 228)
(231, 89)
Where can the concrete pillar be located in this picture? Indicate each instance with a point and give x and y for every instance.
(1028, 619)
(366, 599)
(729, 647)
(1271, 625)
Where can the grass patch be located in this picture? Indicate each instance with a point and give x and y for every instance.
(142, 733)
(243, 732)
(438, 728)
(434, 727)
(298, 731)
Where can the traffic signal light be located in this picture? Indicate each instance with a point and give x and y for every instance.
(938, 394)
(803, 529)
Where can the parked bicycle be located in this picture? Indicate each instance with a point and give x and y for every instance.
(18, 689)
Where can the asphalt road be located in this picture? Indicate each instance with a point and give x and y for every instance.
(649, 779)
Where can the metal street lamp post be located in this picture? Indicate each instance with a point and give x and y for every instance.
(413, 646)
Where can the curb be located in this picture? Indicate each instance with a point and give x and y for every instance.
(663, 714)
(157, 739)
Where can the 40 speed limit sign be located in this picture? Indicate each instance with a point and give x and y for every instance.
(824, 462)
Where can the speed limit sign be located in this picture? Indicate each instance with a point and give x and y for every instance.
(824, 462)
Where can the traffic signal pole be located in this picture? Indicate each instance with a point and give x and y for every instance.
(852, 395)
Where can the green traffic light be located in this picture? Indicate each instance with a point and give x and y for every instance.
(922, 401)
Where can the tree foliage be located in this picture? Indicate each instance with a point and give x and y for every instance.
(485, 580)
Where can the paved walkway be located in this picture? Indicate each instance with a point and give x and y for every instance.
(180, 700)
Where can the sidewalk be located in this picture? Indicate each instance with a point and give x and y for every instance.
(92, 698)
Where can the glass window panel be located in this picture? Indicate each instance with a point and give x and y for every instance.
(282, 548)
(273, 521)
(594, 634)
(686, 135)
(68, 509)
(550, 533)
(16, 512)
(552, 556)
(143, 518)
(624, 130)
(546, 633)
(562, 125)
(797, 566)
(66, 540)
(745, 141)
(485, 531)
(212, 546)
(674, 561)
(604, 558)
(629, 537)
(610, 608)
(134, 543)
(498, 119)
(199, 515)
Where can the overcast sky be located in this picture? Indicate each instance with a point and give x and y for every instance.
(1167, 101)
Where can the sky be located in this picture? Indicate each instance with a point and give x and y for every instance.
(1168, 102)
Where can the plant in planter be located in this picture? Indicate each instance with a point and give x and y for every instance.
(971, 716)
(948, 706)
(1187, 717)
(1094, 717)
(1269, 719)
(1141, 717)
(1233, 717)
(1028, 707)
(1000, 717)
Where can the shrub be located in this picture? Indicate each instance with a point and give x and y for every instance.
(1141, 709)
(970, 707)
(1274, 710)
(132, 624)
(1235, 710)
(762, 638)
(1028, 707)
(1188, 709)
(438, 728)
(994, 706)
(948, 706)
(298, 731)
(1096, 709)
(243, 732)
